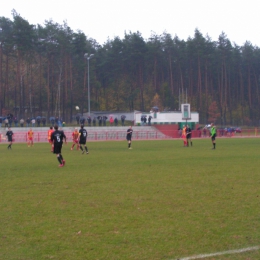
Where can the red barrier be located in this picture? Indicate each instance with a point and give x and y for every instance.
(21, 137)
(137, 135)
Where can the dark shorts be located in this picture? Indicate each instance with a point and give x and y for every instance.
(128, 138)
(82, 142)
(213, 137)
(57, 149)
(188, 136)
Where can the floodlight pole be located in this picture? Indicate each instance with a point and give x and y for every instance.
(88, 57)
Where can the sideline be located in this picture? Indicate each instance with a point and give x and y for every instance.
(237, 251)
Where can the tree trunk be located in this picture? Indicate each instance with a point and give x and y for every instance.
(71, 90)
(1, 80)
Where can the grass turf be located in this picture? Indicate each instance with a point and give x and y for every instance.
(157, 201)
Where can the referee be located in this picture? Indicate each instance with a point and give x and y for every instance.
(213, 134)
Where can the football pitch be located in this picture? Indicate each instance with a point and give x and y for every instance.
(158, 201)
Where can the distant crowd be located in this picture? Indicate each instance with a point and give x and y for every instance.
(100, 120)
(12, 121)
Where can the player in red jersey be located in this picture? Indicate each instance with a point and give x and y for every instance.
(184, 136)
(50, 131)
(30, 138)
(75, 139)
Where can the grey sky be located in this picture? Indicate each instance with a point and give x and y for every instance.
(103, 19)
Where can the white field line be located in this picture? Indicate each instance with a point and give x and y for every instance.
(237, 251)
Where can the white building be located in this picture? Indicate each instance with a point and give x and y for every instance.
(169, 117)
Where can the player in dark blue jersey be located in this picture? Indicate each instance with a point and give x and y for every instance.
(188, 135)
(57, 139)
(129, 136)
(9, 135)
(83, 134)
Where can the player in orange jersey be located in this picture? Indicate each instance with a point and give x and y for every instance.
(30, 138)
(75, 139)
(50, 131)
(184, 136)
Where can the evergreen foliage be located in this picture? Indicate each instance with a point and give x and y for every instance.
(43, 72)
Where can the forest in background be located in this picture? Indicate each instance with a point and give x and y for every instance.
(44, 72)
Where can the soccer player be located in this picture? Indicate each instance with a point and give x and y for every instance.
(129, 136)
(57, 138)
(50, 131)
(75, 139)
(9, 135)
(188, 136)
(213, 134)
(83, 139)
(30, 138)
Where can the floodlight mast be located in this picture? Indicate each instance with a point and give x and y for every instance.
(88, 57)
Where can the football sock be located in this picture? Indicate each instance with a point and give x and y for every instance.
(81, 148)
(61, 157)
(214, 146)
(129, 145)
(59, 160)
(86, 148)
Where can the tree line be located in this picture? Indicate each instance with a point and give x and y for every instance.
(44, 72)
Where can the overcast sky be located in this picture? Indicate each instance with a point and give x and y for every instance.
(103, 19)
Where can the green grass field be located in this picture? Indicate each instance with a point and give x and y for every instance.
(157, 201)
